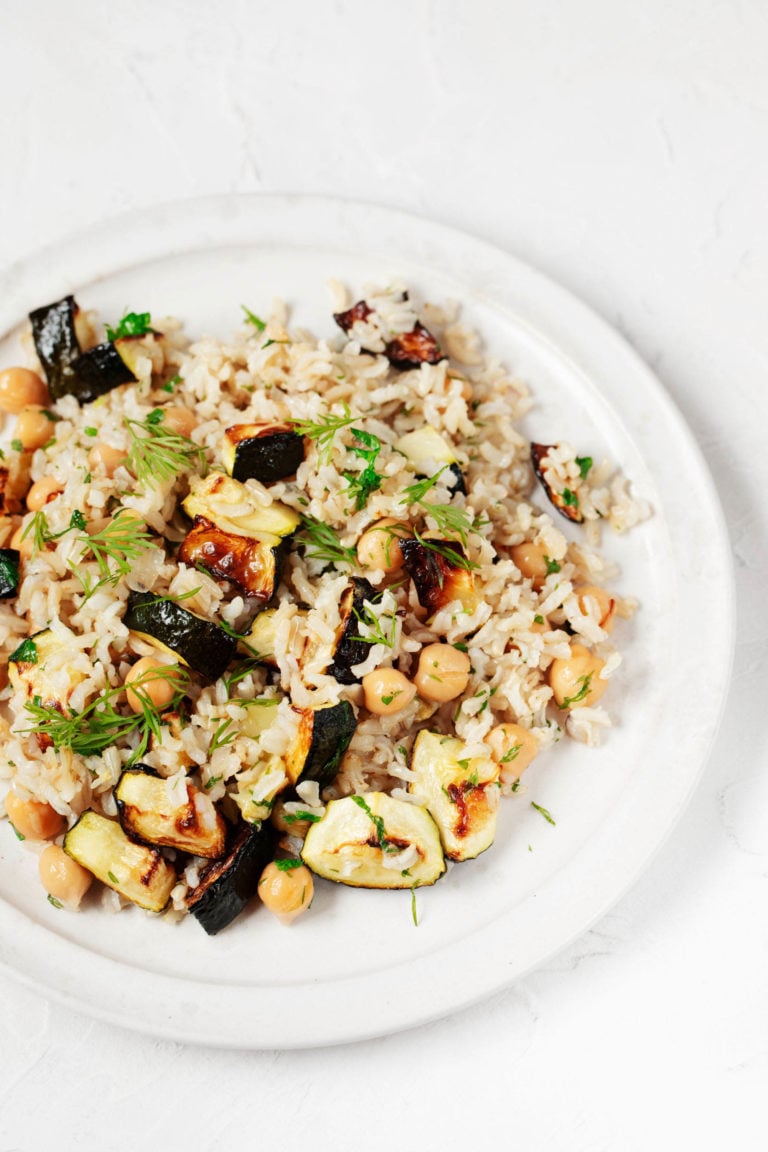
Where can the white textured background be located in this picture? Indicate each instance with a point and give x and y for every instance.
(623, 149)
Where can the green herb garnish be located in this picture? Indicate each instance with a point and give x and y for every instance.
(295, 817)
(52, 900)
(91, 431)
(547, 815)
(252, 318)
(322, 543)
(113, 878)
(378, 823)
(114, 548)
(221, 735)
(323, 430)
(363, 484)
(26, 653)
(17, 445)
(584, 463)
(375, 626)
(288, 864)
(511, 754)
(158, 454)
(132, 324)
(582, 692)
(18, 835)
(414, 914)
(552, 565)
(269, 343)
(570, 499)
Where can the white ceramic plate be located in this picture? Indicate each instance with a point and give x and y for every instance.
(357, 966)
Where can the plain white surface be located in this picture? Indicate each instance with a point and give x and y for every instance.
(491, 922)
(621, 148)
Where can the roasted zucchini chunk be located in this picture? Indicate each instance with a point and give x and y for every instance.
(229, 505)
(427, 452)
(440, 572)
(40, 665)
(411, 349)
(460, 793)
(374, 841)
(197, 643)
(263, 452)
(9, 572)
(147, 814)
(56, 343)
(259, 643)
(225, 887)
(250, 564)
(349, 648)
(566, 502)
(138, 873)
(97, 372)
(323, 737)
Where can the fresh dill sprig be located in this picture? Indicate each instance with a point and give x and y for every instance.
(450, 519)
(324, 429)
(100, 724)
(114, 549)
(221, 734)
(41, 533)
(453, 555)
(158, 454)
(374, 624)
(322, 543)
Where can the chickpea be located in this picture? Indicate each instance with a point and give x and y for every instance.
(379, 545)
(33, 819)
(606, 605)
(62, 877)
(531, 559)
(387, 691)
(33, 427)
(286, 892)
(106, 457)
(575, 680)
(23, 547)
(179, 420)
(19, 387)
(443, 672)
(42, 491)
(513, 747)
(156, 682)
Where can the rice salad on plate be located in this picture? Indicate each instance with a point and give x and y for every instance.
(282, 608)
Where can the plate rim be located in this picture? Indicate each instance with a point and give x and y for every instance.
(20, 281)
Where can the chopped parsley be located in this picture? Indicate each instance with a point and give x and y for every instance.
(51, 416)
(288, 864)
(378, 823)
(17, 445)
(584, 463)
(538, 619)
(547, 815)
(363, 484)
(585, 682)
(132, 324)
(26, 653)
(570, 499)
(252, 318)
(304, 817)
(552, 565)
(91, 431)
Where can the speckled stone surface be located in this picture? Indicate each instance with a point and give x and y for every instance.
(621, 149)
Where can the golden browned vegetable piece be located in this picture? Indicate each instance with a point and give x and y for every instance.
(440, 571)
(250, 564)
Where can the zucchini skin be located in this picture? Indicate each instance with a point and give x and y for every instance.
(56, 343)
(226, 886)
(147, 816)
(138, 873)
(252, 565)
(9, 572)
(266, 453)
(539, 453)
(323, 737)
(198, 643)
(350, 649)
(414, 348)
(97, 372)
